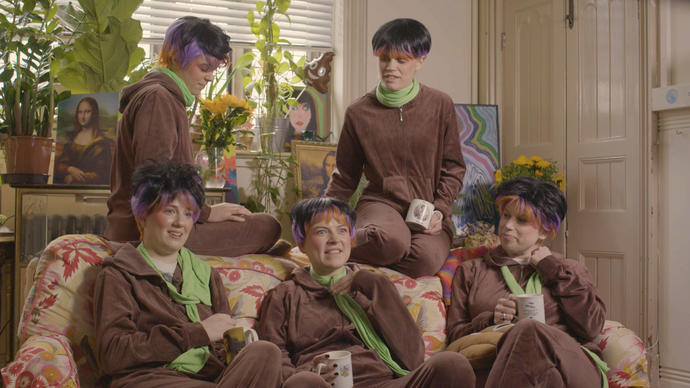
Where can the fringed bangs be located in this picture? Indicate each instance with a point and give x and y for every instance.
(530, 212)
(402, 52)
(326, 216)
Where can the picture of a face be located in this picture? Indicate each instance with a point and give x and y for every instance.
(84, 113)
(300, 116)
(329, 164)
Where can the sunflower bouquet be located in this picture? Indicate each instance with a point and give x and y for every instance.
(535, 167)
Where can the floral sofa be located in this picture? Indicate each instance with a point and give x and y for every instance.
(57, 335)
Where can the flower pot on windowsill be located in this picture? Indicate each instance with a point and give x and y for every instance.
(28, 159)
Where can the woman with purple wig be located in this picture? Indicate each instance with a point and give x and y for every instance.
(155, 127)
(404, 137)
(160, 312)
(558, 353)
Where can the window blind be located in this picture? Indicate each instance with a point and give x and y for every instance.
(309, 26)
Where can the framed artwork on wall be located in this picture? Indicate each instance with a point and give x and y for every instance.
(479, 142)
(315, 162)
(86, 129)
(310, 120)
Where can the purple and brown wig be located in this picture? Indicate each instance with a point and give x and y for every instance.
(310, 211)
(540, 202)
(190, 37)
(402, 38)
(95, 122)
(156, 185)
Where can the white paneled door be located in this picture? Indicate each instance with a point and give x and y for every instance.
(572, 94)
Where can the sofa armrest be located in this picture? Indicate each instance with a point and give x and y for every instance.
(42, 361)
(625, 354)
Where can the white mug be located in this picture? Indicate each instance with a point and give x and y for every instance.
(343, 360)
(419, 214)
(531, 306)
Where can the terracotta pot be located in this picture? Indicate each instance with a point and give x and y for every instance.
(28, 154)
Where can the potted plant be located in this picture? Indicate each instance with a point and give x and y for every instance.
(30, 44)
(269, 77)
(105, 54)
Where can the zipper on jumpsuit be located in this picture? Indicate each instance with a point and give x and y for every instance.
(402, 127)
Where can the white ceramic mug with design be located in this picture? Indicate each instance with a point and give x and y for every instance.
(419, 214)
(341, 361)
(531, 306)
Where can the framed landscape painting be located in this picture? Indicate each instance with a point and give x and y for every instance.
(479, 142)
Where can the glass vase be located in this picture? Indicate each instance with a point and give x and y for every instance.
(211, 164)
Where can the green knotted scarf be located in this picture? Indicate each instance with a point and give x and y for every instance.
(534, 287)
(196, 279)
(188, 96)
(359, 318)
(397, 98)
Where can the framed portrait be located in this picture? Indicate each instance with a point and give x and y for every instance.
(310, 120)
(86, 128)
(315, 162)
(479, 143)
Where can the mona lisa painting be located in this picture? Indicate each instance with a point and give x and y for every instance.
(315, 164)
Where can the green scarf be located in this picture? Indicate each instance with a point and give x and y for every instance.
(359, 318)
(196, 276)
(188, 96)
(534, 287)
(397, 98)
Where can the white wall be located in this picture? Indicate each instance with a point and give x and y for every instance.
(678, 42)
(449, 65)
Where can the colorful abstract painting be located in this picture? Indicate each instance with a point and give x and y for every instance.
(230, 174)
(480, 147)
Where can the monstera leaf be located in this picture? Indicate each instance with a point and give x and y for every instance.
(105, 55)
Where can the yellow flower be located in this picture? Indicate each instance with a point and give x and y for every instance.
(498, 175)
(559, 178)
(543, 163)
(52, 374)
(522, 161)
(535, 160)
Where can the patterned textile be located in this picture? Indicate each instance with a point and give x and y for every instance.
(454, 259)
(43, 361)
(422, 296)
(625, 354)
(56, 326)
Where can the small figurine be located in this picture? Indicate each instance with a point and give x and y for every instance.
(318, 72)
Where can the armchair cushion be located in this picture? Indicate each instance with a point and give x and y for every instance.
(43, 361)
(625, 355)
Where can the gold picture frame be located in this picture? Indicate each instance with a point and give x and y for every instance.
(314, 162)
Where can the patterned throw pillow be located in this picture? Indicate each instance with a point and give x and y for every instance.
(625, 355)
(247, 279)
(43, 361)
(422, 296)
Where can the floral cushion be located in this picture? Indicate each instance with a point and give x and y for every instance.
(247, 279)
(625, 355)
(60, 301)
(43, 361)
(422, 296)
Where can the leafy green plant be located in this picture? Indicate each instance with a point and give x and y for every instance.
(105, 55)
(270, 74)
(29, 46)
(534, 167)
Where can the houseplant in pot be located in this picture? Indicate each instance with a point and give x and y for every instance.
(268, 79)
(29, 32)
